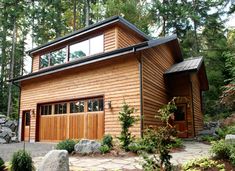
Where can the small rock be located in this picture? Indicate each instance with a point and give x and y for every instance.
(55, 160)
(2, 120)
(5, 136)
(14, 139)
(87, 147)
(230, 138)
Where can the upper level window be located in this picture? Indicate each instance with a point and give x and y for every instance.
(97, 44)
(85, 48)
(58, 57)
(53, 58)
(79, 50)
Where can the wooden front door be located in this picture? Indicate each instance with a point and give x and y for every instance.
(26, 125)
(181, 120)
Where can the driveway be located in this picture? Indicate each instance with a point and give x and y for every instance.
(35, 149)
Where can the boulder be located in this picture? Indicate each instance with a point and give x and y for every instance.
(230, 138)
(2, 116)
(5, 136)
(87, 147)
(11, 124)
(14, 139)
(55, 160)
(3, 120)
(7, 130)
(3, 141)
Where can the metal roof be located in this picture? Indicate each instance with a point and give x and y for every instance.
(190, 64)
(90, 28)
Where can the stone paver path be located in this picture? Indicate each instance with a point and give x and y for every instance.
(38, 150)
(192, 150)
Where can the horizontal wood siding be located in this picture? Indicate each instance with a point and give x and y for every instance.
(125, 38)
(155, 62)
(35, 63)
(196, 94)
(116, 80)
(110, 40)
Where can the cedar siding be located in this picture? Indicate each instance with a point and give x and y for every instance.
(196, 96)
(155, 62)
(115, 80)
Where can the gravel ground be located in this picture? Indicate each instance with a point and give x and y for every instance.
(36, 149)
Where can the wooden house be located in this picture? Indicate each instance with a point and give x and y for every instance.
(79, 82)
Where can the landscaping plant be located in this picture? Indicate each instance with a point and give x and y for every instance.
(165, 135)
(202, 164)
(127, 120)
(107, 140)
(104, 149)
(66, 145)
(22, 161)
(2, 166)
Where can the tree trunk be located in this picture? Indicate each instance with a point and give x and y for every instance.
(9, 106)
(87, 12)
(74, 15)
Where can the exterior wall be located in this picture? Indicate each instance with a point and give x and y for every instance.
(196, 95)
(116, 80)
(155, 61)
(35, 63)
(126, 38)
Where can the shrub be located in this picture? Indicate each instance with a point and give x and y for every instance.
(222, 132)
(220, 149)
(66, 145)
(176, 143)
(107, 140)
(202, 164)
(2, 166)
(127, 121)
(208, 138)
(22, 161)
(104, 149)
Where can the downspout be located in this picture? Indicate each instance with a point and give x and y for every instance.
(141, 94)
(19, 98)
(192, 107)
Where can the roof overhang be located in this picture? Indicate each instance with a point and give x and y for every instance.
(91, 28)
(104, 56)
(189, 66)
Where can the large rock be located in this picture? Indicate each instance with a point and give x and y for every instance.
(55, 160)
(87, 147)
(5, 136)
(7, 130)
(230, 138)
(11, 124)
(3, 120)
(3, 141)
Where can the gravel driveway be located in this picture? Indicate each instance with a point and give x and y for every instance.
(36, 149)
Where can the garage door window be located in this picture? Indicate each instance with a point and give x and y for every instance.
(45, 110)
(77, 107)
(95, 105)
(61, 108)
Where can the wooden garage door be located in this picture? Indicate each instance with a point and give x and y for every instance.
(65, 120)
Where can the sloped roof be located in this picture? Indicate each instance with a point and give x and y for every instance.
(92, 28)
(190, 64)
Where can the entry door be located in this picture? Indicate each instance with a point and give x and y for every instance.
(26, 125)
(181, 121)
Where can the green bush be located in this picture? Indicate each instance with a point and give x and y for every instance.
(176, 143)
(1, 164)
(104, 149)
(222, 132)
(107, 140)
(208, 138)
(22, 161)
(66, 145)
(202, 164)
(220, 149)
